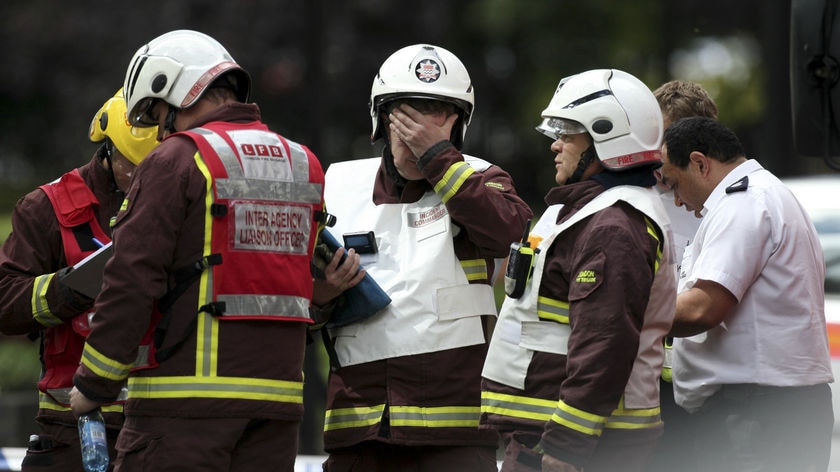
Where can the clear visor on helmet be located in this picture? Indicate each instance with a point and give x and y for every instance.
(556, 127)
(141, 116)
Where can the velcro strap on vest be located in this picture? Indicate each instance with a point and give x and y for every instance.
(185, 277)
(325, 218)
(214, 308)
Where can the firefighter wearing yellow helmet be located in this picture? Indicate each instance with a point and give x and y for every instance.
(120, 140)
(54, 227)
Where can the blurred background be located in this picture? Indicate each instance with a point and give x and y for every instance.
(313, 61)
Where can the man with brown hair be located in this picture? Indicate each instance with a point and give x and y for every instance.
(677, 99)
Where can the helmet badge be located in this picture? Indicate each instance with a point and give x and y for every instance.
(427, 71)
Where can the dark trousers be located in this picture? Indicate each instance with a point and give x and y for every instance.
(677, 443)
(748, 428)
(617, 450)
(380, 457)
(58, 450)
(163, 444)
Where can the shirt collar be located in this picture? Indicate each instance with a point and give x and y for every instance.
(747, 167)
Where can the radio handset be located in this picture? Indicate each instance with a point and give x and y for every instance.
(519, 265)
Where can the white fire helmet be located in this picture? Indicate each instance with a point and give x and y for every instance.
(618, 110)
(177, 67)
(422, 71)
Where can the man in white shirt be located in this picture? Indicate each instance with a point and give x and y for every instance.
(752, 361)
(677, 99)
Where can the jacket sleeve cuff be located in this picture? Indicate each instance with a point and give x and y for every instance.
(98, 395)
(432, 152)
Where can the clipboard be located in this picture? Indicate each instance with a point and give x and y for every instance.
(358, 302)
(86, 275)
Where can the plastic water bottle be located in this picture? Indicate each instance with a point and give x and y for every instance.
(94, 441)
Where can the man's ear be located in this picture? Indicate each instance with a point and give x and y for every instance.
(700, 161)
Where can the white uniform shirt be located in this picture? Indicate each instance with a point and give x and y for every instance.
(683, 224)
(761, 246)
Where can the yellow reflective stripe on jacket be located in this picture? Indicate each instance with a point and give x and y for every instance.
(620, 418)
(553, 309)
(40, 308)
(240, 388)
(206, 362)
(452, 180)
(342, 418)
(517, 406)
(667, 364)
(578, 420)
(435, 417)
(102, 366)
(475, 269)
(207, 345)
(633, 419)
(651, 229)
(56, 398)
(45, 402)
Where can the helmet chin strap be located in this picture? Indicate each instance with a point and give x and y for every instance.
(104, 154)
(169, 123)
(587, 158)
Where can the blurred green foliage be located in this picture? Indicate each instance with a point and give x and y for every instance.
(5, 226)
(19, 364)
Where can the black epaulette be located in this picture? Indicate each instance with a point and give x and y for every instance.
(739, 186)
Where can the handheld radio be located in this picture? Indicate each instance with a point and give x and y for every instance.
(519, 265)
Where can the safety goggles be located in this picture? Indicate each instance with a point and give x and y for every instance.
(555, 127)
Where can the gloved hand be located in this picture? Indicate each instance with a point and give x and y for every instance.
(75, 301)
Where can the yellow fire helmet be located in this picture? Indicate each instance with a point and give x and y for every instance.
(111, 122)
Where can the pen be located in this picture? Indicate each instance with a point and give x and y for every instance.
(97, 242)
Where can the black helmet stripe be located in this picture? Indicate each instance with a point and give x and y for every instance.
(589, 98)
(136, 68)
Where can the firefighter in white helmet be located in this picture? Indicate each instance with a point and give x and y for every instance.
(205, 305)
(571, 376)
(404, 388)
(54, 227)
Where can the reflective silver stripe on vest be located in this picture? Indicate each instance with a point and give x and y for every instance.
(265, 305)
(143, 359)
(237, 186)
(300, 163)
